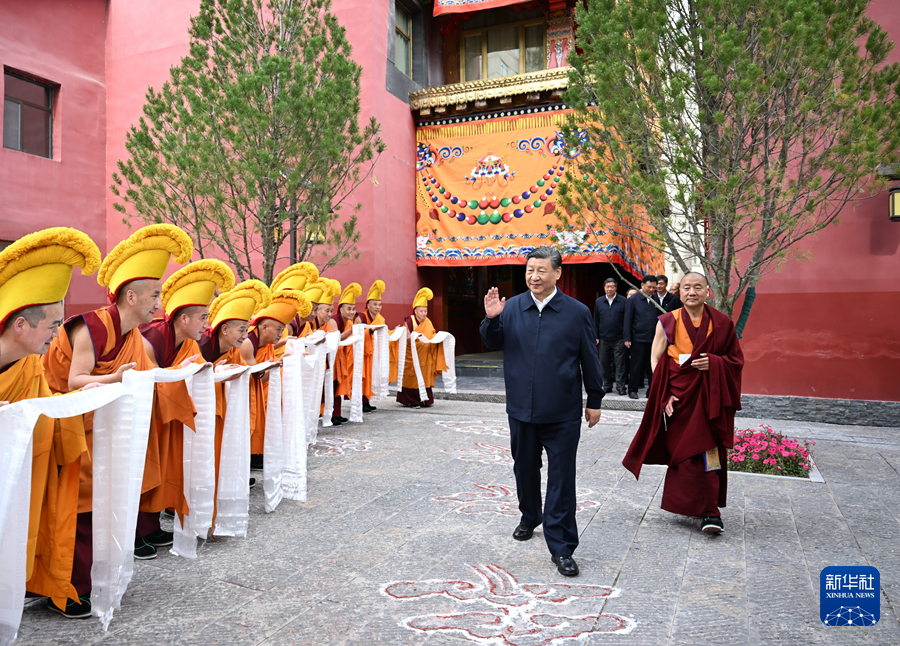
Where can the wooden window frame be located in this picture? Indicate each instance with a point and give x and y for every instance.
(408, 36)
(521, 24)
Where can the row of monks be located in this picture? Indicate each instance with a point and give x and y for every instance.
(208, 320)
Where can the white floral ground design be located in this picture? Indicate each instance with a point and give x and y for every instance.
(330, 447)
(486, 453)
(497, 609)
(478, 427)
(501, 499)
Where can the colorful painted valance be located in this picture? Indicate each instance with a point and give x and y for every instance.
(486, 195)
(466, 6)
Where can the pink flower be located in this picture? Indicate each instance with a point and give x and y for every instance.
(756, 456)
(805, 466)
(779, 468)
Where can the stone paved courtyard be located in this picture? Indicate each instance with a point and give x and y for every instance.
(406, 539)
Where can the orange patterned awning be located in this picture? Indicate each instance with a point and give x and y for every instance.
(486, 195)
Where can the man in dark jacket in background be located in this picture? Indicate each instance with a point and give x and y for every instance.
(609, 320)
(641, 315)
(548, 345)
(669, 301)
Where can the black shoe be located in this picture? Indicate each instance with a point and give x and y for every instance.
(252, 483)
(523, 533)
(620, 392)
(712, 525)
(343, 420)
(335, 421)
(144, 551)
(632, 395)
(73, 609)
(160, 538)
(565, 565)
(367, 408)
(256, 462)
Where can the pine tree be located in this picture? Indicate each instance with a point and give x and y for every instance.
(253, 145)
(728, 131)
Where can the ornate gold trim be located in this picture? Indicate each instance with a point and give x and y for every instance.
(442, 95)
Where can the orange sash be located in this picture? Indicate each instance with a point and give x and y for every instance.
(343, 367)
(259, 397)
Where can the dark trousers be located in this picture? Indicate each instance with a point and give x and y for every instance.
(613, 358)
(560, 440)
(84, 554)
(640, 365)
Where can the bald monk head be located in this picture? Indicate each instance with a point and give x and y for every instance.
(190, 322)
(269, 331)
(348, 311)
(232, 334)
(30, 331)
(323, 312)
(694, 290)
(139, 301)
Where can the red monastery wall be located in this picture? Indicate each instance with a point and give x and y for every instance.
(63, 44)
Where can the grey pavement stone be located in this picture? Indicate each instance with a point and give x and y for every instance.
(316, 573)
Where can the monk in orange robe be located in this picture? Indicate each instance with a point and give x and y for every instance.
(343, 361)
(229, 323)
(431, 356)
(371, 316)
(172, 342)
(297, 277)
(98, 347)
(35, 272)
(689, 420)
(266, 336)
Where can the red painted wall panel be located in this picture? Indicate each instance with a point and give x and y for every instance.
(64, 43)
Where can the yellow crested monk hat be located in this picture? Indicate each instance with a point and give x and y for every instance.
(285, 305)
(37, 269)
(297, 276)
(239, 303)
(350, 294)
(375, 291)
(422, 297)
(145, 254)
(196, 284)
(317, 292)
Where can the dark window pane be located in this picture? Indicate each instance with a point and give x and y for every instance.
(35, 131)
(26, 91)
(534, 48)
(473, 58)
(503, 52)
(11, 134)
(402, 53)
(402, 19)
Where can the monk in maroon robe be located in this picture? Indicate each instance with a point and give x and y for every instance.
(689, 419)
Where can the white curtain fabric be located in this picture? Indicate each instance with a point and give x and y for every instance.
(332, 340)
(449, 348)
(313, 376)
(273, 444)
(233, 499)
(199, 465)
(293, 422)
(17, 424)
(381, 362)
(120, 435)
(356, 339)
(399, 335)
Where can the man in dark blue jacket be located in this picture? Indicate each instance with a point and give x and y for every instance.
(609, 320)
(641, 315)
(548, 345)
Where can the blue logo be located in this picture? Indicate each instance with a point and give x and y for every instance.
(850, 596)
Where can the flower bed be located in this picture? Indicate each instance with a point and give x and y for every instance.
(765, 451)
